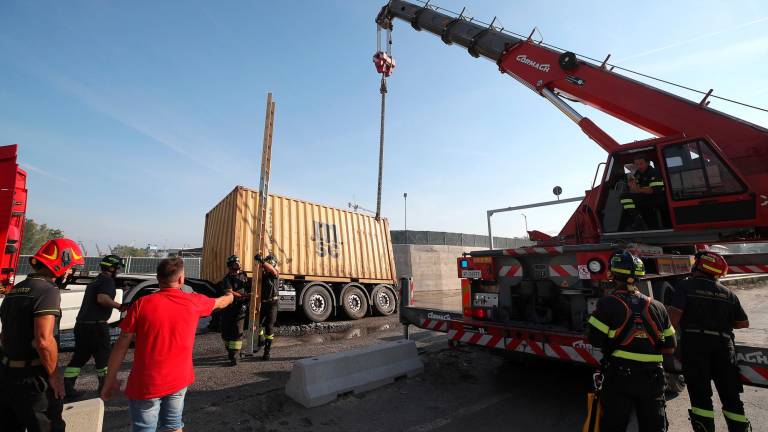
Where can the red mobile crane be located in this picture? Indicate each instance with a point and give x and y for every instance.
(13, 206)
(715, 168)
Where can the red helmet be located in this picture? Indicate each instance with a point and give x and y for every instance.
(711, 263)
(58, 255)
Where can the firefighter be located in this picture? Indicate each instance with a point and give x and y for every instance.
(31, 388)
(233, 316)
(706, 313)
(92, 338)
(632, 331)
(269, 302)
(645, 197)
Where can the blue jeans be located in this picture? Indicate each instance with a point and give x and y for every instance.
(162, 413)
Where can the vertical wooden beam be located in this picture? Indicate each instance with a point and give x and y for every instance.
(261, 239)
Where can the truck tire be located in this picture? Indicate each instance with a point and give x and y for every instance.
(354, 302)
(317, 303)
(384, 300)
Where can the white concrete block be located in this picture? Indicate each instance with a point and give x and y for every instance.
(84, 416)
(319, 380)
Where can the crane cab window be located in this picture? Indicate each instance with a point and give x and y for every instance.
(696, 171)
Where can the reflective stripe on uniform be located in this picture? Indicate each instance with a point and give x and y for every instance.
(71, 372)
(596, 323)
(646, 358)
(656, 184)
(261, 332)
(627, 201)
(629, 206)
(668, 332)
(702, 412)
(735, 417)
(269, 337)
(710, 268)
(102, 372)
(234, 344)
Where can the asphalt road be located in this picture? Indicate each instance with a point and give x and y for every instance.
(461, 388)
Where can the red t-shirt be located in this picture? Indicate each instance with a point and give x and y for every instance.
(164, 324)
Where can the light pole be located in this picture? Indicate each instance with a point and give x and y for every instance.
(525, 218)
(405, 210)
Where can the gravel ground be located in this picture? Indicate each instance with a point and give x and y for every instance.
(461, 389)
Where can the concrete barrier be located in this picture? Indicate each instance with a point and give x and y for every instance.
(319, 380)
(84, 416)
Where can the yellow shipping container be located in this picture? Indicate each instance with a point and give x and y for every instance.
(312, 242)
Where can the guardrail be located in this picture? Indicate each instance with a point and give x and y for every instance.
(133, 265)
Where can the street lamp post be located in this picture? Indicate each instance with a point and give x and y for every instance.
(405, 210)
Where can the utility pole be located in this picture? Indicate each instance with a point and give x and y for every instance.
(260, 235)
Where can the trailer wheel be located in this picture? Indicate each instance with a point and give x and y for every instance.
(384, 300)
(354, 303)
(317, 303)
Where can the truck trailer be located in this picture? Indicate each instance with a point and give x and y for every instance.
(329, 258)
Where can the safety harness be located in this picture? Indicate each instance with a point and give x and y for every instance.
(637, 324)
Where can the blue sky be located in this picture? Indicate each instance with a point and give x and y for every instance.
(135, 118)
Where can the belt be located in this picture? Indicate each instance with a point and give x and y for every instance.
(709, 332)
(19, 364)
(91, 322)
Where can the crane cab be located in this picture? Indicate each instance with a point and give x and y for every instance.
(692, 191)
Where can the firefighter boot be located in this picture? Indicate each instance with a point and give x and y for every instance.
(736, 425)
(700, 423)
(69, 389)
(267, 349)
(234, 356)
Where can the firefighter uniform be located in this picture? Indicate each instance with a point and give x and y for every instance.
(709, 311)
(638, 207)
(631, 330)
(92, 338)
(27, 400)
(233, 316)
(269, 309)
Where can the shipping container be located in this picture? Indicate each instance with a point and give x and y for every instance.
(328, 258)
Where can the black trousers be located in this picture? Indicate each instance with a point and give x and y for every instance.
(27, 402)
(709, 358)
(268, 318)
(232, 325)
(640, 387)
(91, 340)
(646, 206)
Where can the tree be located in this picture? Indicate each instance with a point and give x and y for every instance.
(35, 235)
(129, 251)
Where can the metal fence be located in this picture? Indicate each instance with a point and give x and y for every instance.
(455, 239)
(133, 265)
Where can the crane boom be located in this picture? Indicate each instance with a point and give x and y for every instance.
(545, 70)
(715, 165)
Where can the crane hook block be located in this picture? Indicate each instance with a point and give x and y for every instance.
(568, 61)
(384, 63)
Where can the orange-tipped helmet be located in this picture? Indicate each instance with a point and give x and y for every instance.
(711, 263)
(58, 255)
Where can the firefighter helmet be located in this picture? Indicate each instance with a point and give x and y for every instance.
(627, 267)
(271, 259)
(711, 263)
(232, 260)
(112, 261)
(58, 255)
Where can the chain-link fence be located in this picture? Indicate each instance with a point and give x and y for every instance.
(133, 265)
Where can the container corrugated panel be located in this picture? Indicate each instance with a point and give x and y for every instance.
(311, 241)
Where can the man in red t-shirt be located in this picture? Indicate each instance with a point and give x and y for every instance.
(163, 325)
